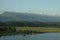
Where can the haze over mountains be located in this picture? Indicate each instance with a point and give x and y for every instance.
(14, 16)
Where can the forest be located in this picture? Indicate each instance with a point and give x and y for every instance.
(29, 24)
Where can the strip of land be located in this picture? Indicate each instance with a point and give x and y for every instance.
(38, 29)
(27, 30)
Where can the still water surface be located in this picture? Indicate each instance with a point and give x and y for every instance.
(44, 36)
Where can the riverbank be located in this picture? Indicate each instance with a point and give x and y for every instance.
(29, 30)
(38, 29)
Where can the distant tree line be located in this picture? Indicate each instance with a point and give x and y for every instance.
(30, 24)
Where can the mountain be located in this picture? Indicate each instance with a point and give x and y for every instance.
(14, 16)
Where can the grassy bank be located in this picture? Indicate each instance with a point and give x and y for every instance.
(29, 30)
(38, 29)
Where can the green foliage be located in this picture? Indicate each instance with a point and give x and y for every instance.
(30, 24)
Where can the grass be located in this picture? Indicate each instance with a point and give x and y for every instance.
(30, 30)
(38, 29)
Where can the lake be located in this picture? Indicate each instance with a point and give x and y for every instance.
(44, 36)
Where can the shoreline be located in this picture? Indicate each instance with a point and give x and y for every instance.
(30, 30)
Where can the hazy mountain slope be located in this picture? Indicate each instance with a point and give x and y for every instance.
(14, 16)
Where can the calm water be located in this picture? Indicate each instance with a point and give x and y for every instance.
(45, 36)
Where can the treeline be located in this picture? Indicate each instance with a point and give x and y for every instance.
(7, 29)
(30, 24)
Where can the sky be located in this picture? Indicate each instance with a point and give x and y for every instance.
(45, 7)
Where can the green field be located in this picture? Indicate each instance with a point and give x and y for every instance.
(38, 29)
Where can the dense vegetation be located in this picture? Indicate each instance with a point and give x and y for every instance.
(25, 27)
(30, 24)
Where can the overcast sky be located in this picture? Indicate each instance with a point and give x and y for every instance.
(48, 7)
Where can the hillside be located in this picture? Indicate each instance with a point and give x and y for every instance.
(14, 16)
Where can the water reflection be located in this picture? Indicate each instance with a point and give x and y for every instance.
(23, 34)
(45, 36)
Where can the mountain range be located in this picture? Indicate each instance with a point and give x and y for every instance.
(15, 16)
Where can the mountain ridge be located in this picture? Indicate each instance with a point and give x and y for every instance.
(15, 16)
